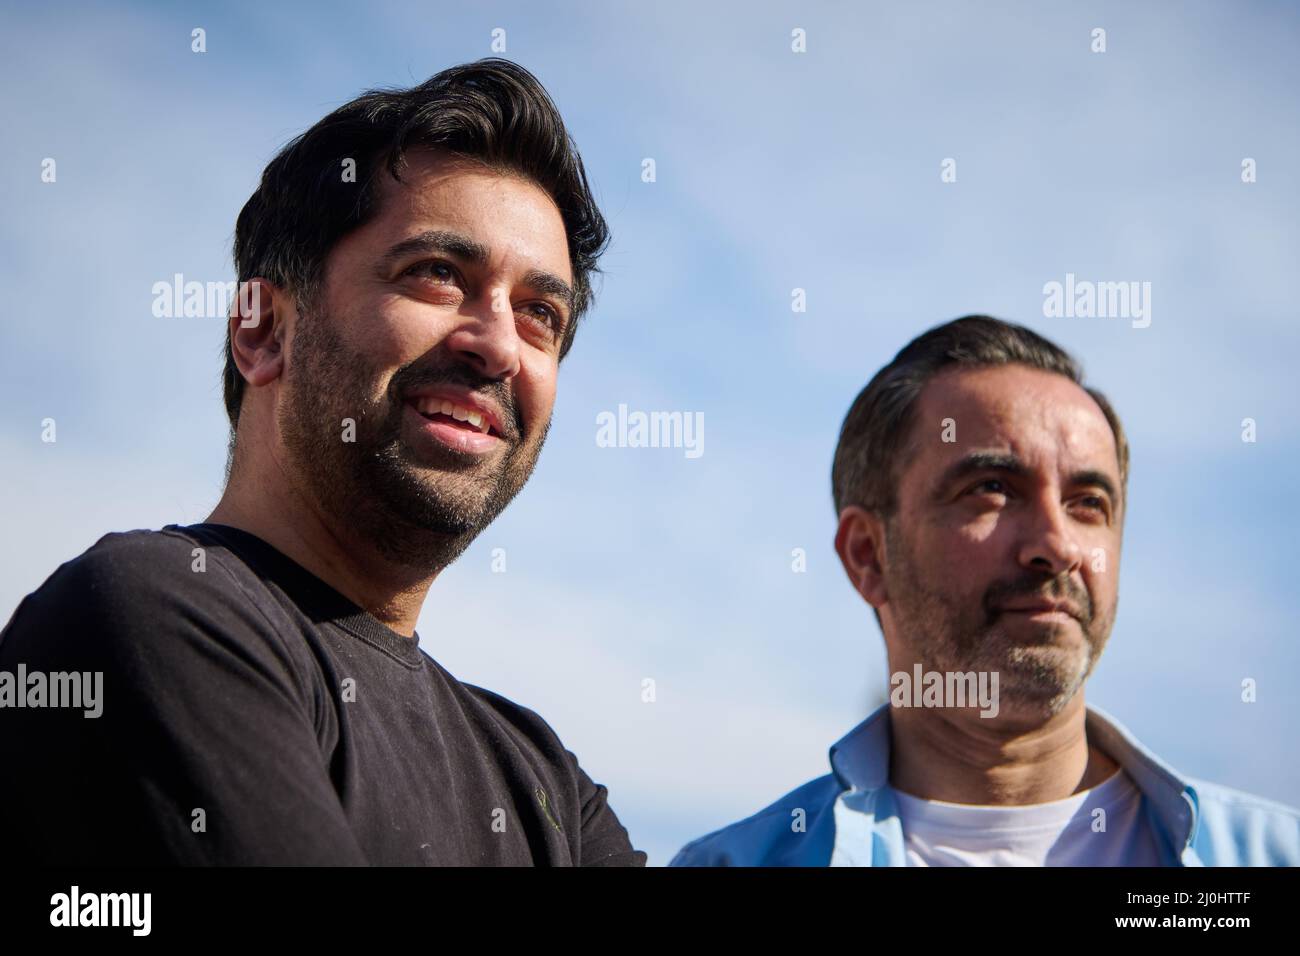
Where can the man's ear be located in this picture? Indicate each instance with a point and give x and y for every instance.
(257, 320)
(859, 541)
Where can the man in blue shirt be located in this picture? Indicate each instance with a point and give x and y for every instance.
(981, 493)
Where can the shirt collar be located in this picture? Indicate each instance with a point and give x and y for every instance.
(860, 762)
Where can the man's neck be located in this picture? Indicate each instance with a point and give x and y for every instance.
(345, 562)
(957, 756)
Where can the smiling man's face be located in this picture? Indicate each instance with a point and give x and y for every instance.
(437, 332)
(1021, 512)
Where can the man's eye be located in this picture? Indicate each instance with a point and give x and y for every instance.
(544, 314)
(1095, 503)
(432, 269)
(984, 485)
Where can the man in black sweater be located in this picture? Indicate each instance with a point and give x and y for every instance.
(412, 270)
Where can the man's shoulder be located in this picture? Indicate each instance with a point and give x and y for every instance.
(1243, 803)
(1236, 828)
(136, 560)
(121, 564)
(137, 589)
(796, 830)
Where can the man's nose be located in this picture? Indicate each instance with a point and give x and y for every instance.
(486, 337)
(1049, 539)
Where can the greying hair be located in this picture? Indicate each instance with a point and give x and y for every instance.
(873, 442)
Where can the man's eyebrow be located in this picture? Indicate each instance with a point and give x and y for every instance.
(463, 247)
(1098, 478)
(437, 240)
(551, 284)
(982, 461)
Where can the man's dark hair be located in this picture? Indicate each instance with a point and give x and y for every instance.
(872, 449)
(492, 111)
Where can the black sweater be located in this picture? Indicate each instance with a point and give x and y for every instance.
(251, 714)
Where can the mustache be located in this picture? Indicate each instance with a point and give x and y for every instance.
(493, 390)
(1059, 588)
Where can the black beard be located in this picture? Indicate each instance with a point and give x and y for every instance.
(418, 515)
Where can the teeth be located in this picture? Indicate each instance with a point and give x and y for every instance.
(430, 406)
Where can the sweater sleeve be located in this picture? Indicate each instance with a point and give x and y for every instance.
(605, 840)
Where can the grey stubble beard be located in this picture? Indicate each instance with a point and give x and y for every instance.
(951, 633)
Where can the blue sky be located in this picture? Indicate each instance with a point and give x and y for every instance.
(775, 170)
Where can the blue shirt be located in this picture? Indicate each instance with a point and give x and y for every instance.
(850, 817)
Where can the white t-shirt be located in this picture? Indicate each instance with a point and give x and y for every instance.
(1060, 833)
